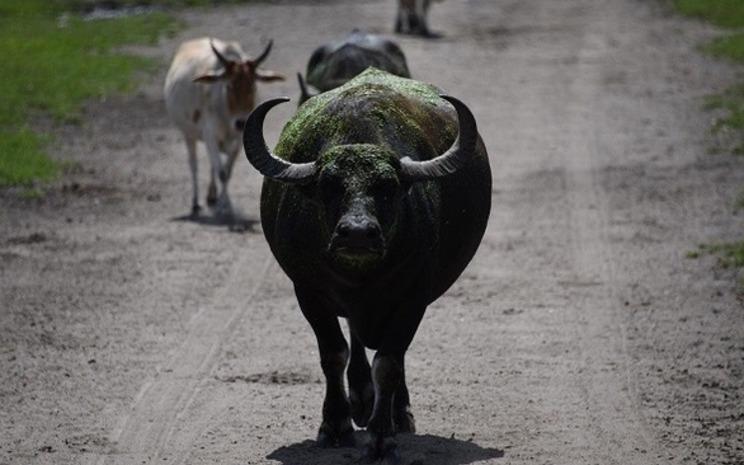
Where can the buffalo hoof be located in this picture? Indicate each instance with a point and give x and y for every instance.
(404, 422)
(328, 438)
(361, 406)
(381, 448)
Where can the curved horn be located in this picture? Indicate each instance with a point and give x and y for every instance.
(261, 157)
(264, 54)
(454, 158)
(224, 61)
(304, 93)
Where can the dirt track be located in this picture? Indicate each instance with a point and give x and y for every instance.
(580, 334)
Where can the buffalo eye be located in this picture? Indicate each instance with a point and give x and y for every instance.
(331, 189)
(384, 190)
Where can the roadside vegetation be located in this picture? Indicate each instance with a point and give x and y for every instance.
(728, 14)
(53, 60)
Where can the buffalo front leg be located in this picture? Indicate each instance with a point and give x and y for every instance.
(388, 378)
(336, 429)
(402, 416)
(361, 390)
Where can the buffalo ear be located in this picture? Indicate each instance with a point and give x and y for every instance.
(265, 75)
(209, 78)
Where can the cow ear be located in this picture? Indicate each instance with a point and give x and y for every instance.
(265, 75)
(208, 78)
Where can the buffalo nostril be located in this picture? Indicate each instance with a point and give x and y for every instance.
(343, 230)
(373, 231)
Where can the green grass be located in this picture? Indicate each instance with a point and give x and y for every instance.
(726, 13)
(730, 14)
(51, 67)
(730, 254)
(730, 47)
(732, 102)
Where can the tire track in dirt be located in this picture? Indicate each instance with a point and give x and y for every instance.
(144, 431)
(607, 381)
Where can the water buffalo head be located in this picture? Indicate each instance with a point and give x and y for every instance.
(359, 188)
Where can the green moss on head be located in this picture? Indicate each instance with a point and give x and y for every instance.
(360, 158)
(375, 106)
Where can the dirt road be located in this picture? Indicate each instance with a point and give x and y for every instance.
(580, 334)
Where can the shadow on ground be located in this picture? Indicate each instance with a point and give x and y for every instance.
(237, 222)
(414, 449)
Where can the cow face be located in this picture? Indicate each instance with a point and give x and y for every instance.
(359, 193)
(241, 77)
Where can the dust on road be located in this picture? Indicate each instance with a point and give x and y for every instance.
(580, 334)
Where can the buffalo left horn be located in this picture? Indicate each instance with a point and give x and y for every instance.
(454, 158)
(261, 157)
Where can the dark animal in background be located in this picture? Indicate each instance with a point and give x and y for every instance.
(373, 204)
(209, 90)
(334, 64)
(412, 17)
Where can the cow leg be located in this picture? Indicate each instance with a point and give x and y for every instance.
(387, 377)
(219, 172)
(361, 391)
(193, 165)
(212, 192)
(336, 429)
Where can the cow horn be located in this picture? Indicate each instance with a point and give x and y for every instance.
(224, 61)
(454, 158)
(264, 54)
(261, 157)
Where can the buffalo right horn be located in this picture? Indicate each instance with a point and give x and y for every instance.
(260, 156)
(461, 151)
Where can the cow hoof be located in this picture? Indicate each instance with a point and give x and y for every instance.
(382, 448)
(195, 210)
(328, 438)
(212, 200)
(404, 422)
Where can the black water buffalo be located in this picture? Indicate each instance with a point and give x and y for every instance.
(373, 204)
(334, 64)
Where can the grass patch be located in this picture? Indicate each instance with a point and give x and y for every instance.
(725, 13)
(730, 47)
(52, 65)
(730, 255)
(732, 102)
(22, 158)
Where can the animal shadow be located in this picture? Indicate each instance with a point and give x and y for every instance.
(414, 449)
(237, 222)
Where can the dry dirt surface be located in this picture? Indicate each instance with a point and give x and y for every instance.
(580, 334)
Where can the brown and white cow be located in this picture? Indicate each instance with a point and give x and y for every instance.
(209, 91)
